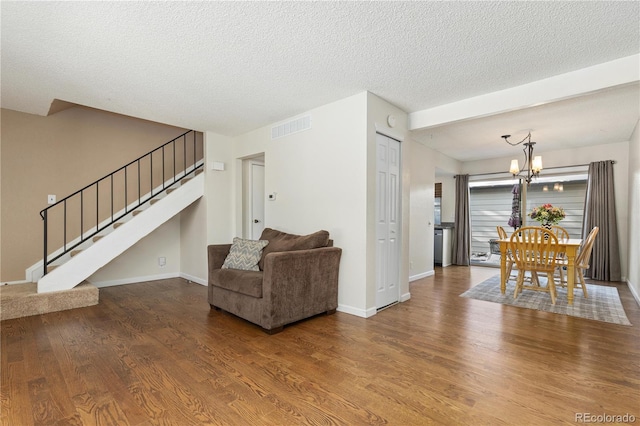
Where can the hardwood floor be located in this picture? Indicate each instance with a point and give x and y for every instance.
(155, 353)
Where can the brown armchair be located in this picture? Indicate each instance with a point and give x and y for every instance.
(298, 279)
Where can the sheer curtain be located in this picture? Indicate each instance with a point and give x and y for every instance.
(600, 210)
(462, 237)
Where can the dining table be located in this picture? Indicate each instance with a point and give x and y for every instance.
(568, 246)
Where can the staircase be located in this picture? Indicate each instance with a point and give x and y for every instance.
(61, 276)
(112, 242)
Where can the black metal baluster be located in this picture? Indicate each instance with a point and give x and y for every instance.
(126, 187)
(151, 174)
(81, 212)
(97, 202)
(44, 256)
(163, 168)
(138, 181)
(112, 197)
(64, 236)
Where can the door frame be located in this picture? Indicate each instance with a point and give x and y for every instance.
(247, 205)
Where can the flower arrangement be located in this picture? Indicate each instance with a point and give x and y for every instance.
(548, 214)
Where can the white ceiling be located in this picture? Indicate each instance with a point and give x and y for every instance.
(231, 67)
(608, 116)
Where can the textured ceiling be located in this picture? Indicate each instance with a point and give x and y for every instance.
(231, 67)
(608, 116)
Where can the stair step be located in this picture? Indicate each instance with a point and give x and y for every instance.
(117, 225)
(23, 300)
(137, 212)
(155, 200)
(185, 180)
(200, 170)
(97, 238)
(170, 190)
(74, 252)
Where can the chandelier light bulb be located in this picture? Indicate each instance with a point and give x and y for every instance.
(537, 164)
(515, 168)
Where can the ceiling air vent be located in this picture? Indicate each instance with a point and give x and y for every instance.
(290, 127)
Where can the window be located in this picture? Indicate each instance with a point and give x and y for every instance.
(567, 192)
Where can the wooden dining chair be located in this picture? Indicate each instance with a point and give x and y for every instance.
(562, 234)
(502, 235)
(534, 249)
(582, 261)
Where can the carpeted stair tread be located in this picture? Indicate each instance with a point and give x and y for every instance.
(22, 300)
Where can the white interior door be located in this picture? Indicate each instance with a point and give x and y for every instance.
(257, 200)
(387, 220)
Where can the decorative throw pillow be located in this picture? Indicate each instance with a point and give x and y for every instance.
(281, 241)
(244, 254)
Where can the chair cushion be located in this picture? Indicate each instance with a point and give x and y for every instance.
(244, 254)
(245, 282)
(281, 241)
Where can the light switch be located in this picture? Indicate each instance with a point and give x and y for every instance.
(217, 165)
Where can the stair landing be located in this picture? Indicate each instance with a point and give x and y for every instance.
(23, 300)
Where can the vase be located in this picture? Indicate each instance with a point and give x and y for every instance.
(548, 226)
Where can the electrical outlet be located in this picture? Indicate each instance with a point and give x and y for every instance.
(162, 262)
(51, 199)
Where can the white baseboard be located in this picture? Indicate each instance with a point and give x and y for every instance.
(405, 297)
(634, 292)
(16, 282)
(195, 279)
(422, 275)
(134, 280)
(363, 313)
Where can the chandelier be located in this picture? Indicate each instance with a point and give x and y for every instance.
(532, 164)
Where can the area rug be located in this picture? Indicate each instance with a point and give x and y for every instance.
(603, 303)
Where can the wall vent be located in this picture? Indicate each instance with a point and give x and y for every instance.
(290, 127)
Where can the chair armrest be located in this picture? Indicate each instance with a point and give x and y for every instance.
(217, 254)
(305, 280)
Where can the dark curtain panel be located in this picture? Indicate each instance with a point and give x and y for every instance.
(600, 210)
(462, 237)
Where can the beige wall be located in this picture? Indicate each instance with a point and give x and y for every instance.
(59, 154)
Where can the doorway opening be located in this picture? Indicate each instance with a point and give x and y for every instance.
(492, 201)
(253, 205)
